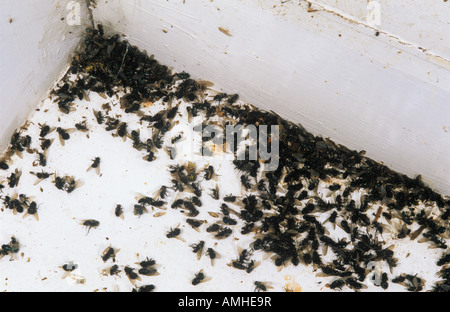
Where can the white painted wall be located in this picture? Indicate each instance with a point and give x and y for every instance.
(310, 65)
(36, 46)
(425, 23)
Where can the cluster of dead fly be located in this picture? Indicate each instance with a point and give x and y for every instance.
(286, 210)
(147, 267)
(20, 143)
(282, 207)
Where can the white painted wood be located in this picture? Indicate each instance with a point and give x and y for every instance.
(37, 44)
(425, 23)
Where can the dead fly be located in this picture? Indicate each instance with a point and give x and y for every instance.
(122, 131)
(220, 96)
(196, 201)
(212, 254)
(332, 218)
(66, 183)
(111, 123)
(41, 176)
(99, 116)
(24, 201)
(19, 143)
(384, 281)
(109, 253)
(210, 174)
(354, 284)
(11, 202)
(410, 282)
(227, 210)
(195, 223)
(339, 283)
(444, 259)
(68, 268)
(45, 144)
(81, 126)
(148, 271)
(137, 143)
(179, 177)
(118, 211)
(132, 276)
(308, 208)
(177, 203)
(223, 233)
(192, 112)
(144, 288)
(4, 165)
(334, 187)
(11, 248)
(230, 198)
(139, 209)
(191, 171)
(199, 278)
(247, 228)
(13, 179)
(262, 286)
(45, 129)
(243, 262)
(95, 165)
(215, 193)
(174, 233)
(72, 184)
(90, 223)
(215, 227)
(158, 204)
(176, 138)
(112, 270)
(171, 113)
(148, 262)
(64, 135)
(149, 157)
(195, 189)
(193, 212)
(146, 200)
(245, 181)
(229, 221)
(345, 226)
(41, 159)
(60, 183)
(32, 211)
(233, 98)
(198, 249)
(157, 139)
(402, 230)
(162, 192)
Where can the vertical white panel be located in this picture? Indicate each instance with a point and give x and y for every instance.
(37, 39)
